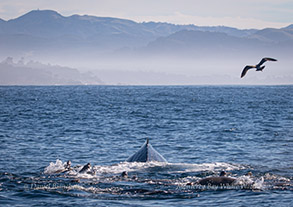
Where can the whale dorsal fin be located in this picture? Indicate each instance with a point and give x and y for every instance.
(146, 154)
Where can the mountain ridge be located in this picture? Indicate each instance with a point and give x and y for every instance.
(49, 23)
(107, 43)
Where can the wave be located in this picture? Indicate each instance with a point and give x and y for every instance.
(59, 166)
(175, 175)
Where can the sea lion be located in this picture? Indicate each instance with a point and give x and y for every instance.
(67, 165)
(124, 174)
(85, 168)
(222, 180)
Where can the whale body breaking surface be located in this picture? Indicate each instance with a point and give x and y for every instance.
(146, 154)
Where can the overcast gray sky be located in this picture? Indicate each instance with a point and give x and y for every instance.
(236, 13)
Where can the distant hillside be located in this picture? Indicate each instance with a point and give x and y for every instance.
(35, 73)
(47, 31)
(203, 43)
(199, 42)
(274, 35)
(289, 27)
(48, 23)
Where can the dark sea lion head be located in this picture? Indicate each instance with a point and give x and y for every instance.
(85, 168)
(124, 174)
(68, 164)
(249, 174)
(223, 173)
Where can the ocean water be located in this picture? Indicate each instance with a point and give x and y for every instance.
(200, 130)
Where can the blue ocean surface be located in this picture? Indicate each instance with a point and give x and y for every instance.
(199, 130)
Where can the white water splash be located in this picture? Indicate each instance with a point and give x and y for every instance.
(212, 167)
(54, 167)
(59, 166)
(258, 184)
(128, 166)
(244, 180)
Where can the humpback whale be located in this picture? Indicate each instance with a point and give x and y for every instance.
(258, 66)
(222, 180)
(146, 154)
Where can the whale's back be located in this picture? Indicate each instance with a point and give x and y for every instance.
(146, 154)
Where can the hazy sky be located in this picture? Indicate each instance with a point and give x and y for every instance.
(236, 13)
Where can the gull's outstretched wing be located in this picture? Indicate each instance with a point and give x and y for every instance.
(244, 71)
(264, 60)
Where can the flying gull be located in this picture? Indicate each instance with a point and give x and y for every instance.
(258, 66)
